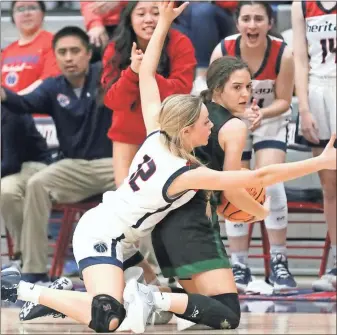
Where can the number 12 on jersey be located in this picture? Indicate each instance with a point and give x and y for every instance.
(144, 171)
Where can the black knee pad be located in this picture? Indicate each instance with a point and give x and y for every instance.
(104, 308)
(232, 301)
(210, 312)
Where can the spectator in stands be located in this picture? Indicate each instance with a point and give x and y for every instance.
(72, 100)
(272, 66)
(121, 63)
(101, 19)
(29, 60)
(206, 23)
(314, 36)
(23, 153)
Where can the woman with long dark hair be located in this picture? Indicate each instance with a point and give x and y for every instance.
(120, 79)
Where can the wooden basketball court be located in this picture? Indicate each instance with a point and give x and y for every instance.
(251, 323)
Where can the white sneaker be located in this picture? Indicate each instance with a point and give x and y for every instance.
(326, 282)
(135, 272)
(139, 305)
(124, 326)
(183, 324)
(259, 286)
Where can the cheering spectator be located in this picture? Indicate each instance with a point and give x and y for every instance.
(72, 100)
(122, 59)
(272, 66)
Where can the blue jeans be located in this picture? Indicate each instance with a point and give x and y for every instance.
(205, 24)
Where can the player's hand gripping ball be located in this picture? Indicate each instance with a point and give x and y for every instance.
(232, 213)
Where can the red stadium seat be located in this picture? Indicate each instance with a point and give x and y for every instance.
(294, 207)
(10, 250)
(71, 215)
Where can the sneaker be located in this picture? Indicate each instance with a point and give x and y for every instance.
(36, 278)
(242, 276)
(139, 305)
(280, 277)
(134, 272)
(327, 282)
(12, 264)
(160, 318)
(10, 280)
(31, 311)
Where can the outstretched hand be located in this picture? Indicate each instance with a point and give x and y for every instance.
(329, 154)
(168, 12)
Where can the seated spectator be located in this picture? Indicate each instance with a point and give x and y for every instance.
(206, 23)
(121, 62)
(101, 19)
(72, 100)
(24, 152)
(29, 60)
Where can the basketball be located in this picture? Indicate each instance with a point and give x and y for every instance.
(232, 213)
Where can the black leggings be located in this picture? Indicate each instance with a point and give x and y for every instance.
(219, 311)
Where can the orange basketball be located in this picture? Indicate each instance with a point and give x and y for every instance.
(232, 213)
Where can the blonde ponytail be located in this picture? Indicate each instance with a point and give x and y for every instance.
(177, 112)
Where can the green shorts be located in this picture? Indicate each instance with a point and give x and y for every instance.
(187, 242)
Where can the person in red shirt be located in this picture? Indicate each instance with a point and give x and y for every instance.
(29, 60)
(121, 62)
(101, 19)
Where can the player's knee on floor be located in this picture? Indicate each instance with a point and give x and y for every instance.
(278, 217)
(105, 308)
(235, 229)
(211, 312)
(231, 300)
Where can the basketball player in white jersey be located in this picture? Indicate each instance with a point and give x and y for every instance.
(163, 176)
(314, 33)
(272, 66)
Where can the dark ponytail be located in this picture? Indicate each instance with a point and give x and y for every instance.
(206, 95)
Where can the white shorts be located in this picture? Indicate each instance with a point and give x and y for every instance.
(272, 134)
(99, 238)
(322, 104)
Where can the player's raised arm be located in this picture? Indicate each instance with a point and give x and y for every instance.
(149, 92)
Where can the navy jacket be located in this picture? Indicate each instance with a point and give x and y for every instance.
(20, 142)
(81, 123)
